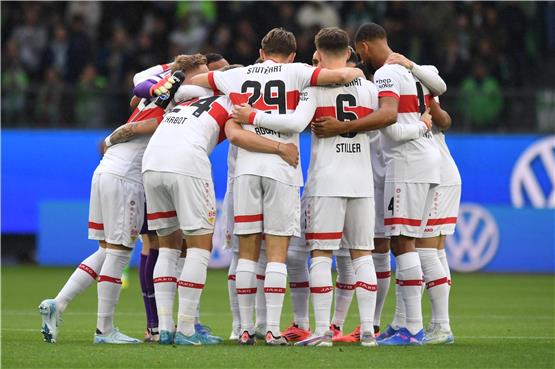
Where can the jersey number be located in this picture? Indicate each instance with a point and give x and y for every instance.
(203, 105)
(390, 206)
(274, 94)
(341, 102)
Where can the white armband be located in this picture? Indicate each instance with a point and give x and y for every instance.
(107, 141)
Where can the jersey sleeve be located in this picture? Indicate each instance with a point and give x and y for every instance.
(152, 71)
(186, 92)
(429, 76)
(405, 132)
(225, 82)
(305, 75)
(388, 82)
(294, 122)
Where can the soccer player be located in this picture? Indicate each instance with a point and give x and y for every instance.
(215, 61)
(338, 204)
(412, 170)
(273, 204)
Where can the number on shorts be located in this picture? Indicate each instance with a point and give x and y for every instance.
(277, 99)
(341, 102)
(390, 206)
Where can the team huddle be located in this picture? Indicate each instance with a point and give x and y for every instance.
(381, 180)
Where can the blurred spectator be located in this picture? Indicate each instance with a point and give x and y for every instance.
(57, 51)
(88, 110)
(90, 11)
(481, 97)
(49, 101)
(79, 50)
(319, 14)
(31, 38)
(14, 85)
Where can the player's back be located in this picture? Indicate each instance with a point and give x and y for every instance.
(275, 89)
(187, 135)
(341, 165)
(413, 160)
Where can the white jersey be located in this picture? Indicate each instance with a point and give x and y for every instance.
(186, 137)
(412, 161)
(449, 172)
(377, 157)
(273, 88)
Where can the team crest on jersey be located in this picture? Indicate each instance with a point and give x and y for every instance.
(211, 216)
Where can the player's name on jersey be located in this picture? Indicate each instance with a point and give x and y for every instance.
(354, 82)
(349, 148)
(264, 69)
(175, 120)
(265, 131)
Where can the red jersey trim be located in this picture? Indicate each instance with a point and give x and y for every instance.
(314, 77)
(252, 115)
(388, 94)
(212, 83)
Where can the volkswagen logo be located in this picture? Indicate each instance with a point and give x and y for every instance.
(533, 177)
(475, 241)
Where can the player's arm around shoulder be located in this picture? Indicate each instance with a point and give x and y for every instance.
(440, 117)
(128, 131)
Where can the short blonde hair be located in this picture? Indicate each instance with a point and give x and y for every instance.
(186, 63)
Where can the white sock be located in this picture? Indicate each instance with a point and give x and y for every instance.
(410, 282)
(399, 316)
(297, 271)
(366, 288)
(109, 287)
(443, 260)
(437, 284)
(382, 263)
(179, 265)
(85, 274)
(190, 286)
(344, 289)
(232, 291)
(165, 282)
(321, 290)
(260, 305)
(245, 280)
(274, 289)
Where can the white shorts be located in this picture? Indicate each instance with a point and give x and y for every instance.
(331, 223)
(262, 204)
(231, 240)
(176, 201)
(406, 207)
(379, 227)
(442, 217)
(116, 211)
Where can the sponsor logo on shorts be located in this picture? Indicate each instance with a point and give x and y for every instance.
(475, 241)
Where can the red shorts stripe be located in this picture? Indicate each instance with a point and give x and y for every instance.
(249, 218)
(298, 285)
(324, 236)
(450, 220)
(383, 275)
(344, 286)
(366, 286)
(405, 221)
(246, 291)
(161, 214)
(274, 290)
(409, 282)
(97, 226)
(164, 280)
(260, 277)
(437, 282)
(190, 284)
(323, 289)
(106, 278)
(88, 270)
(231, 277)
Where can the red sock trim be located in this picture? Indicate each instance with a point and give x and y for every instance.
(437, 282)
(366, 286)
(383, 275)
(246, 291)
(87, 269)
(188, 284)
(409, 282)
(298, 285)
(106, 278)
(323, 289)
(344, 286)
(231, 277)
(274, 290)
(260, 277)
(164, 280)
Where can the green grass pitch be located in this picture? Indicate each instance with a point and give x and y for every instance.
(500, 321)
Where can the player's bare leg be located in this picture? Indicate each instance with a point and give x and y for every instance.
(81, 279)
(366, 290)
(190, 285)
(245, 280)
(149, 255)
(275, 286)
(165, 280)
(109, 288)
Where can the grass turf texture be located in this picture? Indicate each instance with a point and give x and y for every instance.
(500, 321)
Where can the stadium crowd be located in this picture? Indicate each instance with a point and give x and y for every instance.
(76, 59)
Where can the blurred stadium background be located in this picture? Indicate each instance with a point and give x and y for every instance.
(66, 80)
